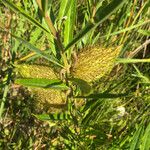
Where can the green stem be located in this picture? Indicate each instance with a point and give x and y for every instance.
(56, 36)
(6, 89)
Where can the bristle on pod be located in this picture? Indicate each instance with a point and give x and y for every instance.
(94, 62)
(48, 99)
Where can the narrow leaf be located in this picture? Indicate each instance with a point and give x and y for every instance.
(101, 15)
(144, 32)
(53, 116)
(64, 7)
(136, 139)
(92, 112)
(146, 139)
(37, 51)
(70, 23)
(103, 95)
(128, 60)
(43, 83)
(141, 23)
(45, 4)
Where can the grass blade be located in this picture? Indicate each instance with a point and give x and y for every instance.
(84, 31)
(143, 78)
(144, 32)
(37, 51)
(103, 95)
(135, 139)
(69, 24)
(146, 139)
(91, 112)
(64, 7)
(101, 15)
(141, 23)
(128, 60)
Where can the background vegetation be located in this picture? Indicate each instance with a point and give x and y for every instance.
(116, 114)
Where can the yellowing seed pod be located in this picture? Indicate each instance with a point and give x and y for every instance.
(35, 71)
(48, 99)
(95, 62)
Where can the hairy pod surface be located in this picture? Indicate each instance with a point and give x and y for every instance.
(35, 71)
(49, 99)
(94, 62)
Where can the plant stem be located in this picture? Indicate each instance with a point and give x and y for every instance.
(56, 36)
(6, 89)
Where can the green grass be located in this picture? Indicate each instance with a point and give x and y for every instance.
(111, 113)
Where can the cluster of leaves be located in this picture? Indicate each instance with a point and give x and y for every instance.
(51, 30)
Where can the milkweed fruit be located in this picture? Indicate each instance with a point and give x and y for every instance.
(94, 62)
(48, 99)
(35, 71)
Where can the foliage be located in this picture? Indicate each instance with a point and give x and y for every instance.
(39, 40)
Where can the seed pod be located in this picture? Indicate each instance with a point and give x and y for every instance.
(48, 99)
(95, 62)
(35, 71)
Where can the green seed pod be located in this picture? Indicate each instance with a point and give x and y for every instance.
(50, 100)
(35, 71)
(95, 62)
